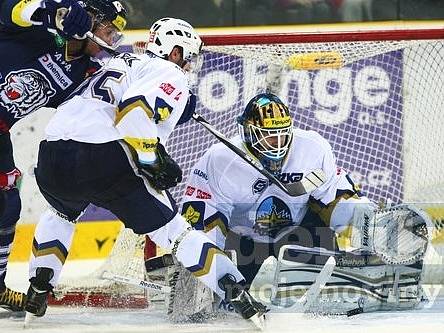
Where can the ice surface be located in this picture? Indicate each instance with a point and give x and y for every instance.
(84, 320)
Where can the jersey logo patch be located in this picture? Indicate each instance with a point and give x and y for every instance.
(203, 195)
(55, 71)
(193, 212)
(25, 91)
(290, 177)
(190, 190)
(271, 216)
(167, 88)
(201, 174)
(259, 185)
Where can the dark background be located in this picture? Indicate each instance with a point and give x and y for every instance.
(219, 13)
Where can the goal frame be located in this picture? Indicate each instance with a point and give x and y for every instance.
(233, 39)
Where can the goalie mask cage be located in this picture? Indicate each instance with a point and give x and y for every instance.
(375, 95)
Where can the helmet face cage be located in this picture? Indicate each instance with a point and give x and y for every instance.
(267, 130)
(104, 11)
(167, 33)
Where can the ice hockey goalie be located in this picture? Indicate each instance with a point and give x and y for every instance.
(385, 274)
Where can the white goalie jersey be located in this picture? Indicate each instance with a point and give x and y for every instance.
(138, 98)
(224, 193)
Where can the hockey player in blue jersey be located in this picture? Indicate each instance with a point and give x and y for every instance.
(45, 56)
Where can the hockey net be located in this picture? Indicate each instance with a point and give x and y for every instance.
(376, 96)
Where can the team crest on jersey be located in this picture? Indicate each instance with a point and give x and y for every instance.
(25, 91)
(128, 58)
(271, 216)
(193, 212)
(259, 186)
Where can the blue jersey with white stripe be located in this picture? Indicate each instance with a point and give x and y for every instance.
(35, 70)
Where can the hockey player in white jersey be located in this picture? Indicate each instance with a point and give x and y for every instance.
(106, 146)
(225, 194)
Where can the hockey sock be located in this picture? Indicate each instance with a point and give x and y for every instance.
(207, 262)
(52, 241)
(8, 222)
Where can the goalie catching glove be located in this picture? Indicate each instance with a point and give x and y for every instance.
(164, 172)
(399, 235)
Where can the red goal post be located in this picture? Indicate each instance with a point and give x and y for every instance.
(375, 95)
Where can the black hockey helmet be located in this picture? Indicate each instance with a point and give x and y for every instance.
(266, 128)
(113, 11)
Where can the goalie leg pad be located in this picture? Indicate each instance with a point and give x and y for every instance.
(359, 281)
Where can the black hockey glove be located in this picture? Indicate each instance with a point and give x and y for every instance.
(68, 17)
(165, 172)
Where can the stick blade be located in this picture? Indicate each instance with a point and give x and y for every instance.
(307, 184)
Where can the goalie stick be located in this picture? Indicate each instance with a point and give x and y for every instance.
(304, 303)
(308, 184)
(135, 282)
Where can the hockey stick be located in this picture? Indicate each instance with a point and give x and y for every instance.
(308, 184)
(304, 303)
(135, 282)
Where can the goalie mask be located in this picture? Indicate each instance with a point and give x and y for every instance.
(267, 130)
(167, 33)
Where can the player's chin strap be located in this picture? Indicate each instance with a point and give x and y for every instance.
(104, 45)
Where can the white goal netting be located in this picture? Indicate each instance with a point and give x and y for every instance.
(377, 103)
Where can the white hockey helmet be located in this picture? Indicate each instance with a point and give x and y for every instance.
(168, 32)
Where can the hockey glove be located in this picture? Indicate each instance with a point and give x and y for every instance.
(189, 109)
(67, 17)
(164, 173)
(8, 180)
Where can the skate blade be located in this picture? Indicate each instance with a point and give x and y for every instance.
(259, 320)
(29, 318)
(12, 314)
